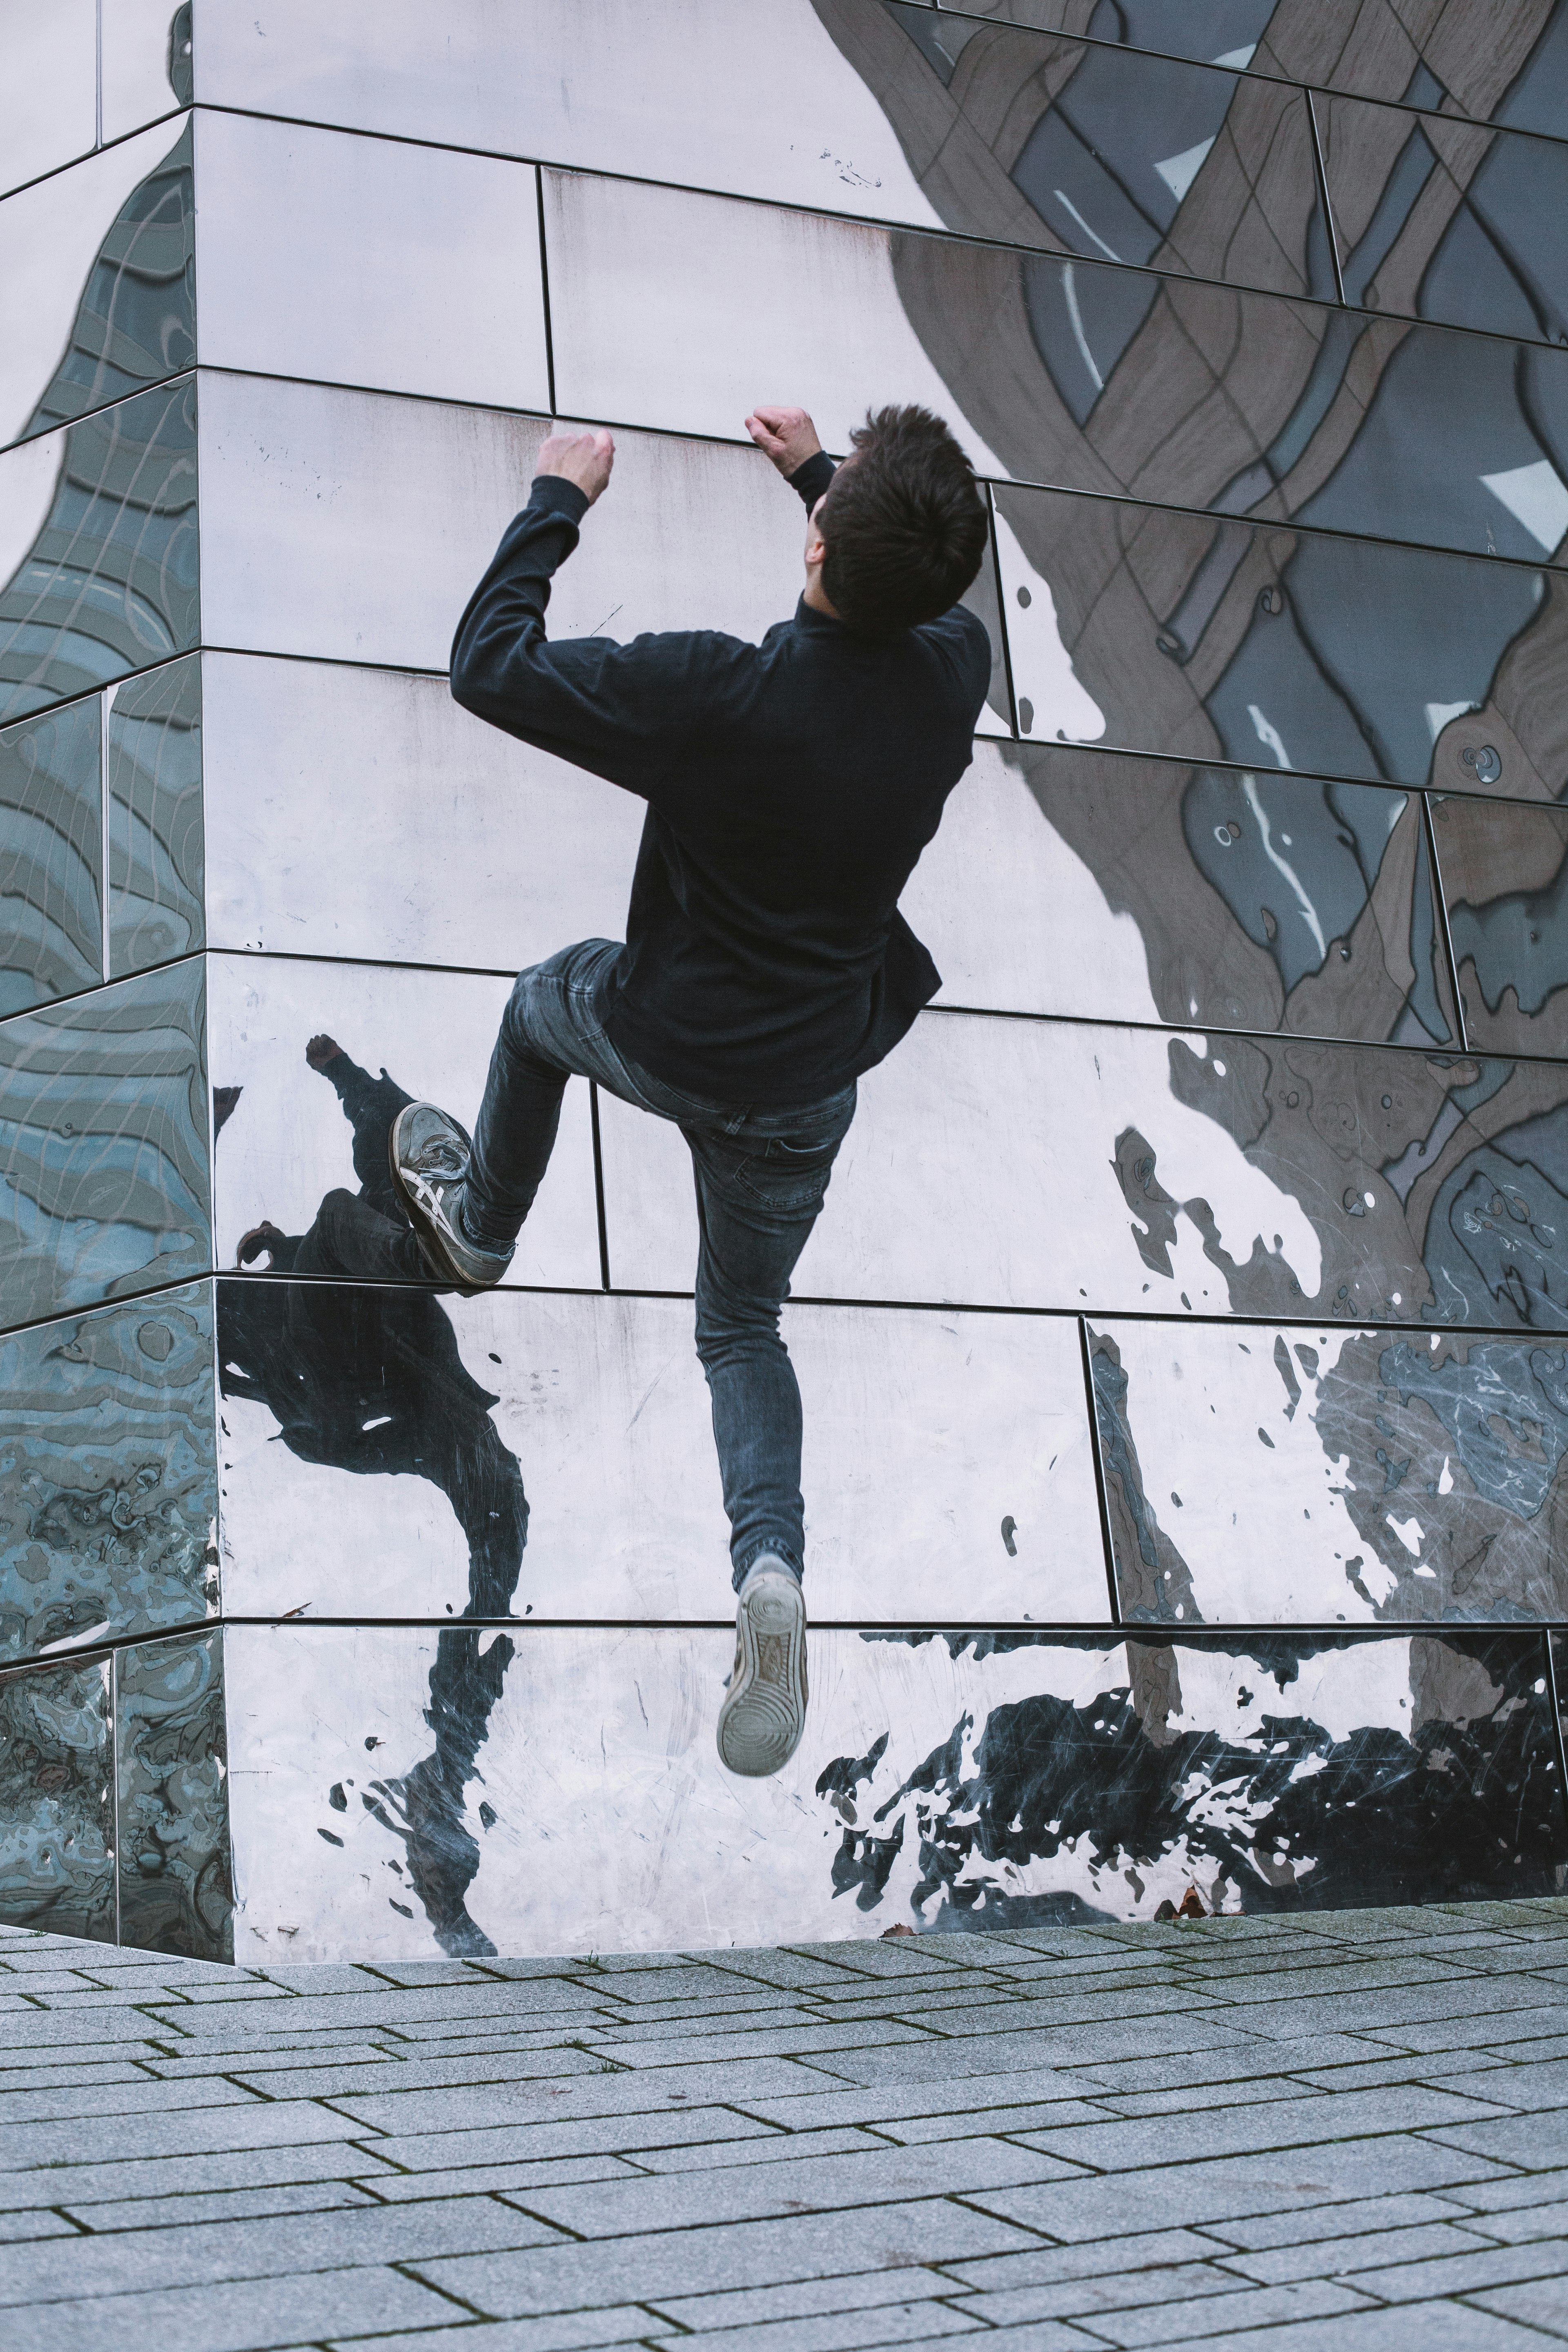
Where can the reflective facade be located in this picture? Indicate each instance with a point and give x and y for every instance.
(1184, 1342)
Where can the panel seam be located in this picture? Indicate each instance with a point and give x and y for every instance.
(1106, 1538)
(599, 1186)
(1330, 228)
(544, 288)
(1440, 902)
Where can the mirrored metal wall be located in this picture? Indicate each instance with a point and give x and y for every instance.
(1183, 1342)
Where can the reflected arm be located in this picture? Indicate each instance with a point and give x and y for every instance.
(618, 710)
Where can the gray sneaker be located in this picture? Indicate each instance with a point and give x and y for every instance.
(429, 1157)
(761, 1720)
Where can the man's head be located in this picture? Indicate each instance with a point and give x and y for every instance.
(901, 530)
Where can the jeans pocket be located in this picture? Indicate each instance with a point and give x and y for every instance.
(787, 1176)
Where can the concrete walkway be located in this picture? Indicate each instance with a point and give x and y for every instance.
(1346, 2131)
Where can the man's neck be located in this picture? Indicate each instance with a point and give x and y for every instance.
(815, 597)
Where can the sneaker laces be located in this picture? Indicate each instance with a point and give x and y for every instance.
(442, 1165)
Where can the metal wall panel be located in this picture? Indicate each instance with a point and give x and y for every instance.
(366, 261)
(440, 1436)
(171, 1773)
(1066, 1165)
(104, 1131)
(1508, 69)
(56, 1800)
(1251, 643)
(98, 549)
(362, 813)
(303, 1130)
(1305, 1475)
(1080, 882)
(97, 268)
(687, 312)
(947, 1779)
(153, 743)
(1502, 867)
(108, 1473)
(51, 855)
(1442, 219)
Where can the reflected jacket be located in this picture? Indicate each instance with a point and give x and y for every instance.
(790, 788)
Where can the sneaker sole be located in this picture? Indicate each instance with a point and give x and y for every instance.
(442, 1264)
(760, 1722)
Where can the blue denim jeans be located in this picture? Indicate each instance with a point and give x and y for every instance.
(761, 1177)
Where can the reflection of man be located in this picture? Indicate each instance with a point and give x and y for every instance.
(791, 787)
(363, 1373)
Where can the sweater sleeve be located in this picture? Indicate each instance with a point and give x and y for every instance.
(615, 709)
(811, 479)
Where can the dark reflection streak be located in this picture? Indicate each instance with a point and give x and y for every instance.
(1318, 396)
(1401, 191)
(106, 600)
(1553, 1682)
(1385, 691)
(1527, 369)
(103, 599)
(1548, 321)
(1464, 1799)
(136, 319)
(1386, 764)
(367, 1378)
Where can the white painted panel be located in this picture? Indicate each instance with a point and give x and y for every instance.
(982, 1168)
(367, 261)
(49, 238)
(694, 91)
(688, 311)
(946, 1465)
(49, 91)
(287, 1142)
(1016, 922)
(572, 1801)
(362, 813)
(145, 54)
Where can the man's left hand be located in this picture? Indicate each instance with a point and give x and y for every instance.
(787, 435)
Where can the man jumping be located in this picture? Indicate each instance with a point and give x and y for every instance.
(791, 787)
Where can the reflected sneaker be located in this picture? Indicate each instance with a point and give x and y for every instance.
(429, 1157)
(761, 1720)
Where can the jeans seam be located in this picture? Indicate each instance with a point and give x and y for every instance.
(750, 1558)
(780, 1204)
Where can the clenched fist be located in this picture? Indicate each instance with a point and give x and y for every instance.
(787, 434)
(584, 458)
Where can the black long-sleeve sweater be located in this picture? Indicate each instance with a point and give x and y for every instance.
(791, 787)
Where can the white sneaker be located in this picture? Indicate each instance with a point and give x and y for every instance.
(761, 1720)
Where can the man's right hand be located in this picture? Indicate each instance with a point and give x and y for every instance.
(584, 458)
(787, 434)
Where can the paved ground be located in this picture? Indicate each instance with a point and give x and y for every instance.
(1341, 2131)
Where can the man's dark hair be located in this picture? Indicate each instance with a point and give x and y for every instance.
(904, 525)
